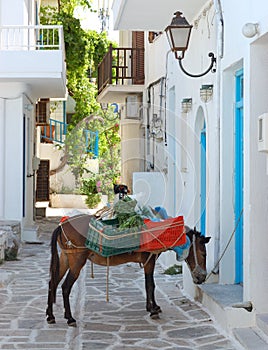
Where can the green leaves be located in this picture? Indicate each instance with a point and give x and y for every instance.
(84, 51)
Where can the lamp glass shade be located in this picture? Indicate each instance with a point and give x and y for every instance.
(180, 38)
(178, 33)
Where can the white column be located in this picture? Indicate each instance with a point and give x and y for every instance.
(2, 157)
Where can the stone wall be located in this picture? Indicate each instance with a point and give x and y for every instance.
(10, 238)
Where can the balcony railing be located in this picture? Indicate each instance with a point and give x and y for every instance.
(56, 130)
(31, 38)
(92, 142)
(121, 66)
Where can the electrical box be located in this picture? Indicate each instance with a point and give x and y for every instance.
(263, 133)
(132, 107)
(36, 162)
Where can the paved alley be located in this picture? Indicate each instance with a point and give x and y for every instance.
(122, 323)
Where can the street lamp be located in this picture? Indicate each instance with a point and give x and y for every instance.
(186, 105)
(178, 34)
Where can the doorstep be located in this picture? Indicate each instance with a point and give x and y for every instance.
(225, 303)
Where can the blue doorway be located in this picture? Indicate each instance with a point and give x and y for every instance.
(238, 175)
(203, 179)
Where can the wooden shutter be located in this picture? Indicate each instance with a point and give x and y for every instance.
(42, 111)
(138, 57)
(42, 182)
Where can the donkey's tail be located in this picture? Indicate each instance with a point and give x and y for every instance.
(54, 263)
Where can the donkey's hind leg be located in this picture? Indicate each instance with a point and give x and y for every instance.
(63, 267)
(76, 263)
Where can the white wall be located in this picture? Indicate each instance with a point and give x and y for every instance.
(250, 54)
(13, 179)
(256, 176)
(64, 180)
(238, 52)
(9, 17)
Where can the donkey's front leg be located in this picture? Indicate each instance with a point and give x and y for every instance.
(151, 305)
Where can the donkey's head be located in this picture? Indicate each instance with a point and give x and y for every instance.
(196, 259)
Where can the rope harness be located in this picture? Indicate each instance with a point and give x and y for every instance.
(70, 246)
(227, 245)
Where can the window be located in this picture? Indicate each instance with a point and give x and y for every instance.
(42, 111)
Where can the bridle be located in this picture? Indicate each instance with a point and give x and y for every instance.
(197, 269)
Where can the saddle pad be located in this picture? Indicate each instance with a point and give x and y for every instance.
(107, 240)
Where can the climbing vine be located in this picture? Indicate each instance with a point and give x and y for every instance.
(84, 51)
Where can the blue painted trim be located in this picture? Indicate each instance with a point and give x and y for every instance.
(239, 174)
(59, 131)
(64, 118)
(92, 142)
(203, 178)
(91, 137)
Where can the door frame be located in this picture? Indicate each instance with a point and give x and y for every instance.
(203, 178)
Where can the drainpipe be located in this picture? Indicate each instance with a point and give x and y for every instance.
(149, 102)
(220, 49)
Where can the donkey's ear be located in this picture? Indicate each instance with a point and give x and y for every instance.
(194, 229)
(207, 239)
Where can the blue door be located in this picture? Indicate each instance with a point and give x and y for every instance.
(203, 178)
(238, 176)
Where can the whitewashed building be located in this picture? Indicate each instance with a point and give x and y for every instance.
(207, 138)
(32, 66)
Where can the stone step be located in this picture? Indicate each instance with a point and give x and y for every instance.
(226, 304)
(262, 323)
(250, 338)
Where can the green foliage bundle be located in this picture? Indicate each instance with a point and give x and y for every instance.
(89, 188)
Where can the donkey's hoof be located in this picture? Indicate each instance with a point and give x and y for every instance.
(158, 309)
(72, 322)
(154, 315)
(154, 309)
(51, 320)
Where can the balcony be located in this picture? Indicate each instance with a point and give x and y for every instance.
(55, 131)
(33, 55)
(120, 73)
(151, 15)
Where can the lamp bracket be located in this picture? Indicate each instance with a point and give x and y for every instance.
(212, 67)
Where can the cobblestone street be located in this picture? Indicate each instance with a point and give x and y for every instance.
(122, 323)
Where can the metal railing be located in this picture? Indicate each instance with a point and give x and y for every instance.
(41, 37)
(92, 142)
(56, 130)
(121, 66)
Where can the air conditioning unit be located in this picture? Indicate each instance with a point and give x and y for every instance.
(133, 107)
(263, 133)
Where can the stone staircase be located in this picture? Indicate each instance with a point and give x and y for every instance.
(254, 338)
(225, 302)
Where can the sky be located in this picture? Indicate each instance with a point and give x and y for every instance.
(90, 20)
